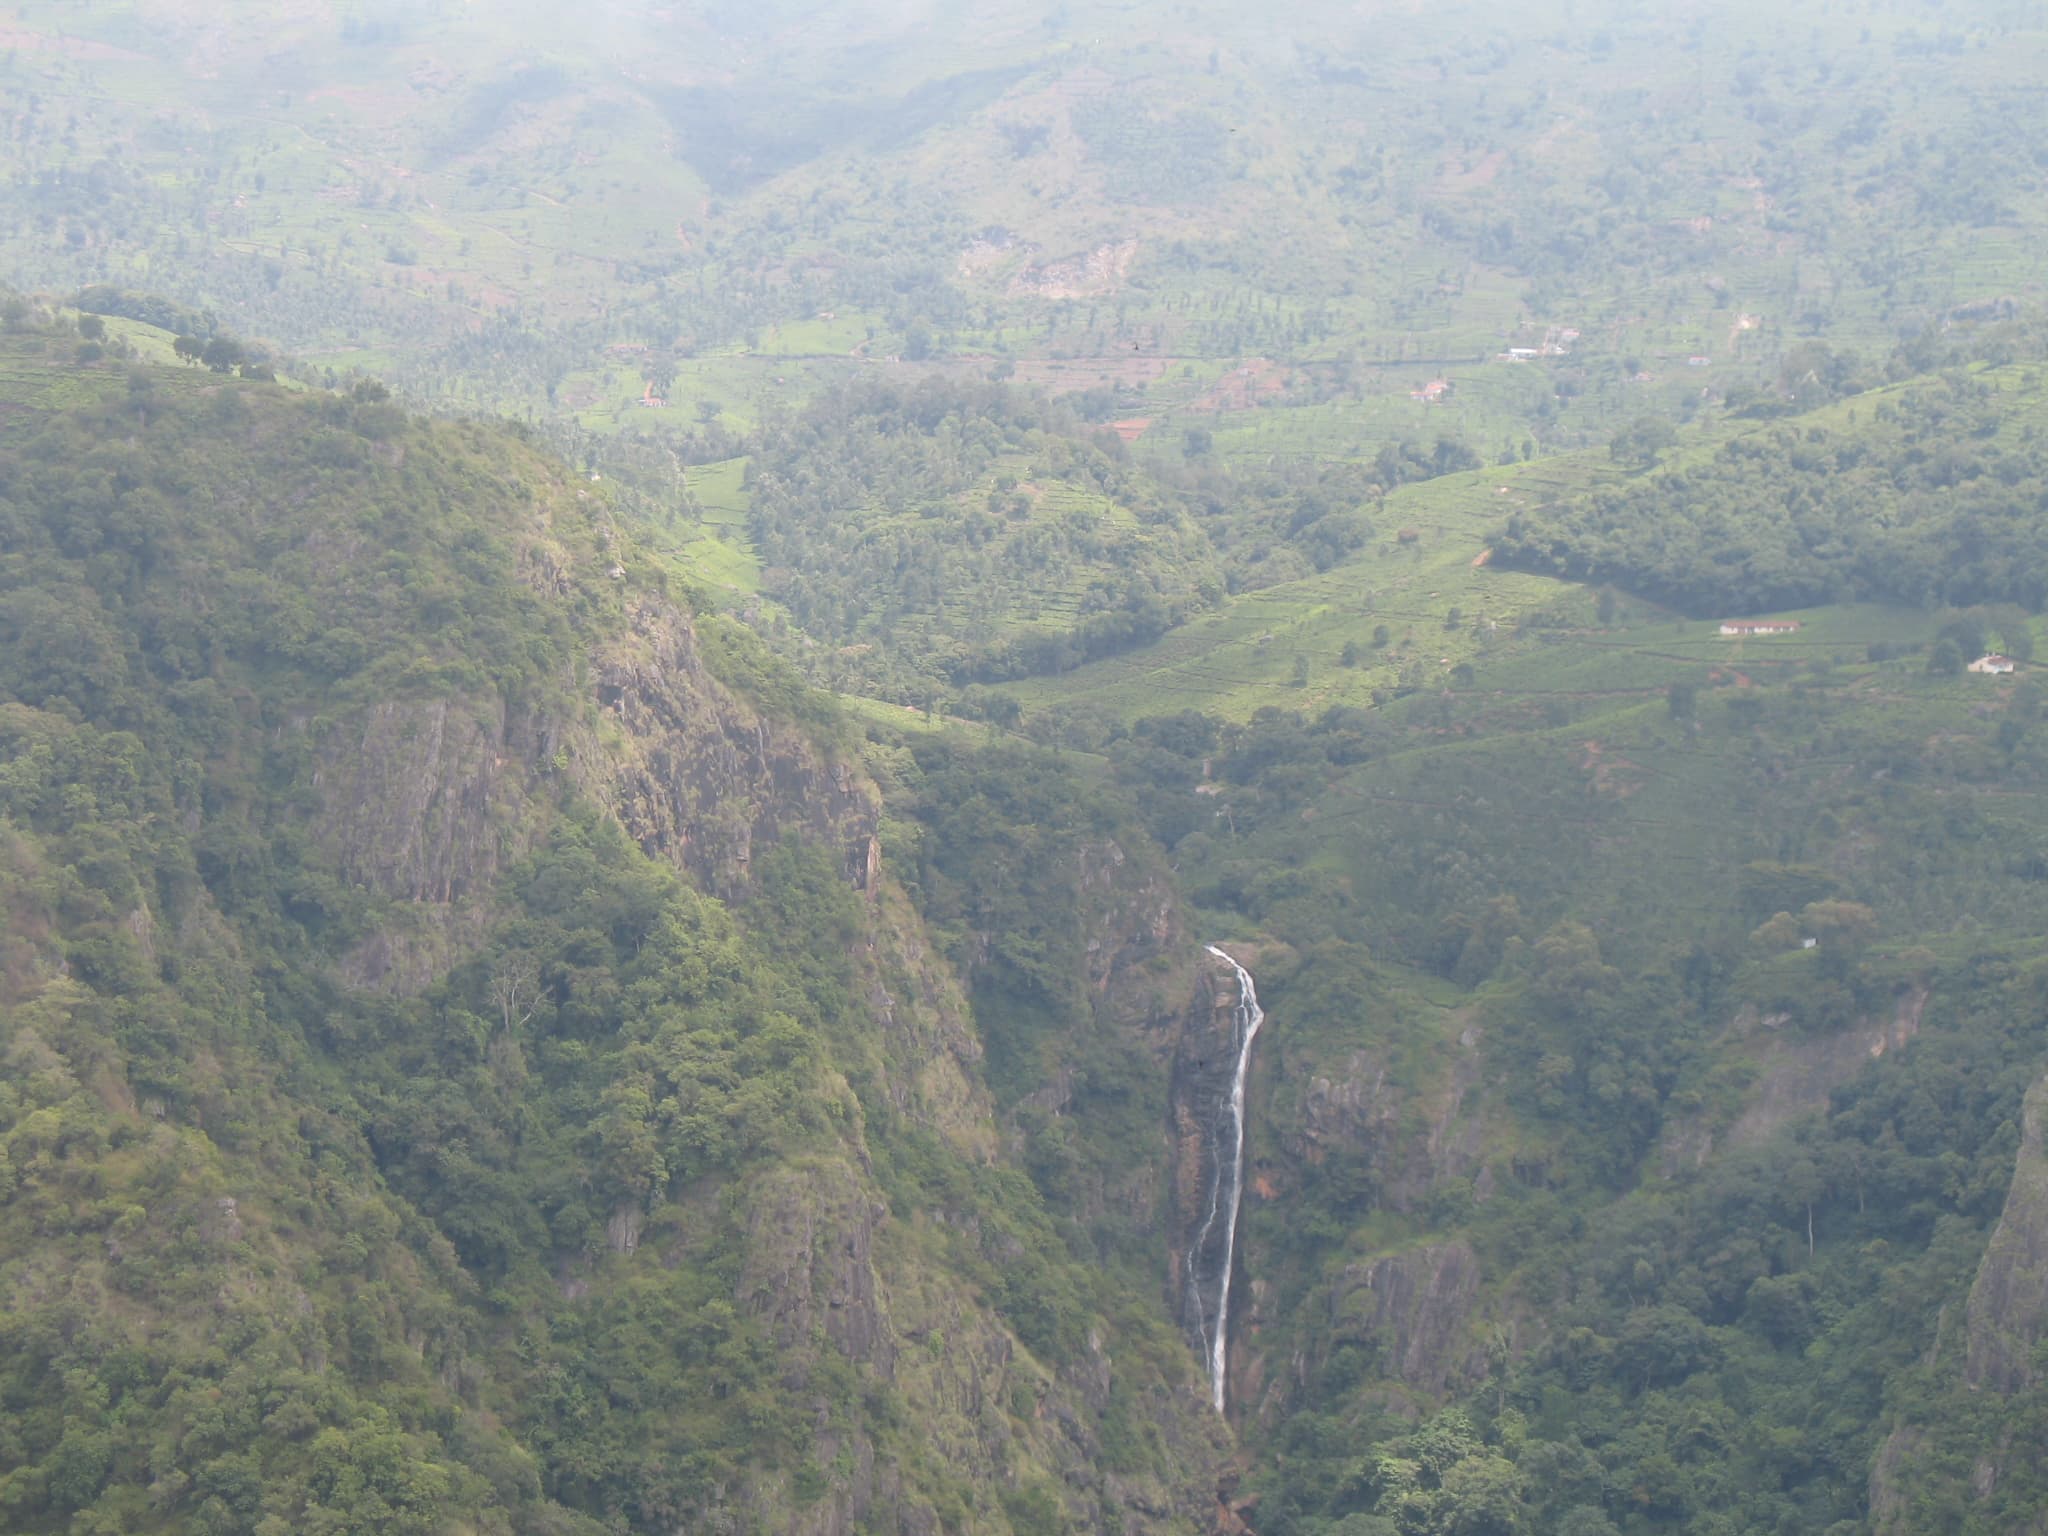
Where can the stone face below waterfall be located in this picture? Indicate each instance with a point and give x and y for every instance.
(1412, 1310)
(1203, 1073)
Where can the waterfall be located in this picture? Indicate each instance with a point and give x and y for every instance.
(1226, 1187)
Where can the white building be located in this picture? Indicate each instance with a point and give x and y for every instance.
(1994, 664)
(1759, 626)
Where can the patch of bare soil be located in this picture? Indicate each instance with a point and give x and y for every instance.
(1090, 274)
(1244, 387)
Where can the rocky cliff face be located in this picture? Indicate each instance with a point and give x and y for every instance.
(1204, 1067)
(2008, 1312)
(1794, 1076)
(1138, 949)
(2004, 1322)
(1405, 1140)
(424, 800)
(1410, 1309)
(830, 1269)
(702, 778)
(1348, 1116)
(674, 1216)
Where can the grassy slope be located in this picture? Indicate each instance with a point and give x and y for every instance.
(721, 554)
(1558, 773)
(1243, 658)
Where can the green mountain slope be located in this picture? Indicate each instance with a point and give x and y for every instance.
(487, 1046)
(1639, 1137)
(1926, 494)
(467, 1066)
(966, 534)
(514, 208)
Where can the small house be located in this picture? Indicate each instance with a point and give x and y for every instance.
(1994, 664)
(1759, 626)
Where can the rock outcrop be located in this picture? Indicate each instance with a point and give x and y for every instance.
(1794, 1076)
(827, 1267)
(1086, 274)
(1412, 1310)
(2004, 1322)
(702, 778)
(1402, 1144)
(2008, 1311)
(423, 800)
(809, 1267)
(1204, 1066)
(1891, 1480)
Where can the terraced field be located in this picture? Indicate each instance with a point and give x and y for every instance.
(1231, 663)
(1430, 561)
(722, 553)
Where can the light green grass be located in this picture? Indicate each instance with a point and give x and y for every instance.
(902, 717)
(1421, 568)
(722, 562)
(720, 491)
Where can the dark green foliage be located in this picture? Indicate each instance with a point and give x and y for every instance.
(873, 511)
(1183, 158)
(1643, 441)
(1920, 501)
(285, 1253)
(1722, 1323)
(150, 308)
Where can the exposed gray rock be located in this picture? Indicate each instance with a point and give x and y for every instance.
(2008, 1311)
(1795, 1076)
(1890, 1480)
(423, 800)
(809, 1265)
(410, 789)
(1413, 1308)
(702, 779)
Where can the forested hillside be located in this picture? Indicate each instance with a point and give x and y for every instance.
(1640, 1141)
(657, 663)
(1929, 494)
(468, 1065)
(632, 215)
(964, 535)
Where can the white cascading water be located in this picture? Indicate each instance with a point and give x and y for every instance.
(1226, 1188)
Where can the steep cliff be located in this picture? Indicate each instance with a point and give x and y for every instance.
(703, 778)
(1204, 1064)
(2008, 1307)
(441, 961)
(1791, 1073)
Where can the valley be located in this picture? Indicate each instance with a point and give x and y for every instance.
(1118, 768)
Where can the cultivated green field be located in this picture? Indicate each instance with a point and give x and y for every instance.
(485, 209)
(1430, 559)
